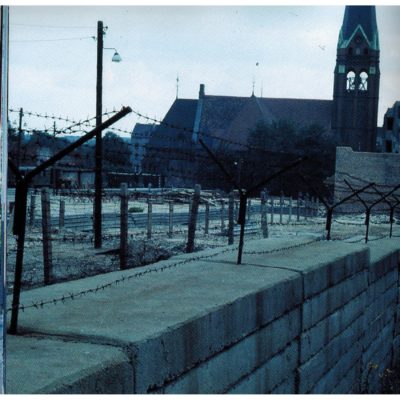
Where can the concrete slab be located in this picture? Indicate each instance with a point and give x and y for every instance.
(323, 263)
(172, 319)
(36, 365)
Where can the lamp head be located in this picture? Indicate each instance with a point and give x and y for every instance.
(116, 57)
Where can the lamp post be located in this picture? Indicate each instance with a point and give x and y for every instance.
(98, 181)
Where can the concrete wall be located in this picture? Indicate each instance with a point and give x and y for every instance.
(360, 168)
(332, 331)
(317, 318)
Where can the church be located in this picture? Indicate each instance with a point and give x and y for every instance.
(351, 116)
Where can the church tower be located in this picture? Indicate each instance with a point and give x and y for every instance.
(356, 82)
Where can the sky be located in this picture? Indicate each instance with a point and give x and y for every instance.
(285, 51)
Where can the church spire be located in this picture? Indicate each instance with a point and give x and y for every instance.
(359, 20)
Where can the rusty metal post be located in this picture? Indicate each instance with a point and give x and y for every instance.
(264, 219)
(193, 219)
(123, 248)
(46, 234)
(231, 206)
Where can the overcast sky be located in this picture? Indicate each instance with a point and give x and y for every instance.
(53, 57)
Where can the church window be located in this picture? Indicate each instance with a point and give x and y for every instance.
(350, 50)
(350, 82)
(363, 84)
(342, 69)
(358, 51)
(366, 51)
(372, 70)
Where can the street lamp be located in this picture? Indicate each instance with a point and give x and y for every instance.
(99, 145)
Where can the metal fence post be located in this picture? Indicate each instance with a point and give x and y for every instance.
(231, 210)
(306, 203)
(193, 219)
(298, 205)
(61, 215)
(149, 218)
(264, 220)
(207, 218)
(272, 209)
(222, 216)
(46, 232)
(170, 220)
(123, 252)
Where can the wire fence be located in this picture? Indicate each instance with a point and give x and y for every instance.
(53, 220)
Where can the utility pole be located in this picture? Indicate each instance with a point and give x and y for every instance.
(99, 145)
(21, 114)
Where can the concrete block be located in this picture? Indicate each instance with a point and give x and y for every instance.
(322, 264)
(396, 351)
(318, 336)
(311, 371)
(325, 303)
(384, 257)
(177, 350)
(378, 353)
(288, 386)
(339, 375)
(271, 374)
(218, 373)
(350, 383)
(36, 365)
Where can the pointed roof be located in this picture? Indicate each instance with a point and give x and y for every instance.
(360, 19)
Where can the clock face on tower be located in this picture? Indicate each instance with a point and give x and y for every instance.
(358, 39)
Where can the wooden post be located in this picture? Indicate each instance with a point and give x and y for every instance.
(193, 219)
(317, 207)
(272, 209)
(298, 206)
(46, 232)
(170, 220)
(264, 219)
(207, 218)
(306, 202)
(231, 211)
(61, 215)
(290, 209)
(222, 216)
(32, 210)
(248, 210)
(123, 249)
(236, 210)
(281, 208)
(149, 218)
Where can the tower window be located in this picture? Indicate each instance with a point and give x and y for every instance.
(350, 81)
(363, 85)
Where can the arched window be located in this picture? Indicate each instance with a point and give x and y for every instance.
(363, 84)
(350, 50)
(366, 51)
(350, 81)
